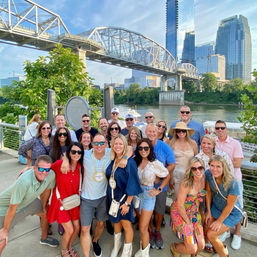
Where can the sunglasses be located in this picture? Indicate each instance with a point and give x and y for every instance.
(161, 126)
(184, 112)
(220, 128)
(181, 130)
(85, 120)
(63, 134)
(145, 148)
(115, 128)
(148, 117)
(74, 152)
(99, 143)
(41, 169)
(115, 113)
(129, 119)
(44, 128)
(200, 168)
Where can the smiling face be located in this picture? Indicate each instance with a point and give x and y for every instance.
(75, 156)
(85, 139)
(216, 169)
(149, 117)
(185, 114)
(207, 146)
(151, 133)
(118, 146)
(59, 121)
(133, 135)
(99, 147)
(85, 122)
(114, 130)
(161, 127)
(103, 124)
(198, 170)
(221, 131)
(62, 136)
(46, 130)
(40, 176)
(144, 150)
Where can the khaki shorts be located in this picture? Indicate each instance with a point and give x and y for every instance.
(31, 209)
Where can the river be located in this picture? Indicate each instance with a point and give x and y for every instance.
(201, 113)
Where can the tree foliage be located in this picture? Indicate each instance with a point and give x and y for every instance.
(249, 114)
(61, 71)
(209, 82)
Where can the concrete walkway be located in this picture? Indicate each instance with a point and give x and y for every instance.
(24, 237)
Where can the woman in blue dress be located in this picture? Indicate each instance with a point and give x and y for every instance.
(123, 185)
(223, 208)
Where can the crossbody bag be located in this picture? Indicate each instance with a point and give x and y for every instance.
(244, 220)
(72, 201)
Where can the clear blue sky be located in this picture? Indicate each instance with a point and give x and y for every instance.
(146, 17)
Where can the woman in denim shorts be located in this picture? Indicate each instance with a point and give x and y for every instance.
(149, 168)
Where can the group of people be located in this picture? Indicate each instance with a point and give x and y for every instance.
(122, 169)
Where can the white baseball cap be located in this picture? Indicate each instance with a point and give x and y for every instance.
(115, 109)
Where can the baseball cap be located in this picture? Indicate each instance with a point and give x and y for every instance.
(115, 109)
(129, 116)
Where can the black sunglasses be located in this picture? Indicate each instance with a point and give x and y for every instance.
(74, 152)
(129, 119)
(184, 112)
(63, 134)
(115, 128)
(44, 128)
(181, 130)
(161, 126)
(145, 148)
(220, 128)
(148, 117)
(85, 120)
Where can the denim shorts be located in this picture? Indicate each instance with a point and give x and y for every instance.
(147, 202)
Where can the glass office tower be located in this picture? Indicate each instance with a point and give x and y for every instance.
(234, 42)
(188, 54)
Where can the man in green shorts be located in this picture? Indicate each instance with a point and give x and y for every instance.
(21, 199)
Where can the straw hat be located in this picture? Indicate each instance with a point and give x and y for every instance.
(183, 126)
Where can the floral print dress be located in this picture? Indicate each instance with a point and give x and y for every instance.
(179, 226)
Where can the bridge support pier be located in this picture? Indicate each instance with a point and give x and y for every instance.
(164, 83)
(82, 57)
(174, 97)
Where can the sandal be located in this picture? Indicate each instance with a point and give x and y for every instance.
(65, 253)
(73, 252)
(208, 248)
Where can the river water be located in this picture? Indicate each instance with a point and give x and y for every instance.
(201, 113)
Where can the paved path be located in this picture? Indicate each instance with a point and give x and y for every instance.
(24, 237)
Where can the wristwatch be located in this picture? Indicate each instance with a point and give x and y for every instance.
(127, 204)
(160, 189)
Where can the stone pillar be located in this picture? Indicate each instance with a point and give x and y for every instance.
(175, 97)
(164, 83)
(51, 105)
(108, 101)
(82, 56)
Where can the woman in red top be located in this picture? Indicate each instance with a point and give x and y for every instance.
(67, 184)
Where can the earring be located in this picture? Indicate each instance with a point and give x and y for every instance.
(191, 174)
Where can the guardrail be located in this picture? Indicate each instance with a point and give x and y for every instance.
(9, 136)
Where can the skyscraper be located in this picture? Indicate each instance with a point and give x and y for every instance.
(234, 42)
(179, 20)
(188, 54)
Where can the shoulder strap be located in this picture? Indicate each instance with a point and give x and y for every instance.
(224, 196)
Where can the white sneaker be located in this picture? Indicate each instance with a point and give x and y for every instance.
(224, 236)
(236, 242)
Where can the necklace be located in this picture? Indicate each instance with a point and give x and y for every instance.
(99, 176)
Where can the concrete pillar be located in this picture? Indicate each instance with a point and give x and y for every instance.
(164, 83)
(179, 82)
(108, 102)
(51, 105)
(82, 56)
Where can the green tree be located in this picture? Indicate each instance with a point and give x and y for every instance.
(209, 82)
(61, 71)
(189, 86)
(249, 114)
(233, 90)
(133, 92)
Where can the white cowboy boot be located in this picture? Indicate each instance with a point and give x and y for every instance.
(117, 245)
(127, 250)
(145, 252)
(139, 252)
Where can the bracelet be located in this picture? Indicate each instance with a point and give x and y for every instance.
(127, 204)
(125, 157)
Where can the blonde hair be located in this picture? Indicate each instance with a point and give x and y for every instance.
(188, 178)
(212, 139)
(125, 143)
(36, 117)
(138, 135)
(227, 177)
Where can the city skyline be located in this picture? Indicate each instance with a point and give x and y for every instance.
(150, 22)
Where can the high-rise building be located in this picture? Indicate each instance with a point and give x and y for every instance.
(179, 20)
(188, 54)
(9, 81)
(234, 42)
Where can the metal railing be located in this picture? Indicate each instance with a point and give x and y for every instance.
(9, 136)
